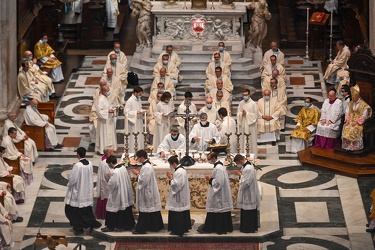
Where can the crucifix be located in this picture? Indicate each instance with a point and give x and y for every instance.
(187, 160)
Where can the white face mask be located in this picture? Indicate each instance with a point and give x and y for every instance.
(267, 98)
(165, 62)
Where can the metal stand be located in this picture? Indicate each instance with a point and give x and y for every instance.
(330, 39)
(126, 147)
(307, 34)
(238, 143)
(247, 144)
(228, 158)
(135, 141)
(145, 139)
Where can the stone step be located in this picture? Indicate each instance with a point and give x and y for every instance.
(198, 61)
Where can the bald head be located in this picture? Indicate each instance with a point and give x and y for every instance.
(208, 100)
(266, 92)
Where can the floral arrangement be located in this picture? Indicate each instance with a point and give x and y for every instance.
(133, 161)
(232, 164)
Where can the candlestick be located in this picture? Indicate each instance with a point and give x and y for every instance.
(228, 158)
(238, 143)
(307, 33)
(228, 124)
(238, 126)
(135, 141)
(247, 144)
(212, 6)
(126, 123)
(126, 147)
(145, 133)
(145, 120)
(330, 39)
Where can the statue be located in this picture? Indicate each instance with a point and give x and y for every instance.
(258, 27)
(143, 29)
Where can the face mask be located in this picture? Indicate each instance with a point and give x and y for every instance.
(34, 107)
(342, 93)
(140, 97)
(204, 123)
(170, 55)
(165, 62)
(275, 50)
(217, 61)
(275, 87)
(166, 101)
(114, 61)
(307, 104)
(209, 106)
(15, 119)
(117, 51)
(108, 93)
(44, 41)
(30, 58)
(245, 97)
(267, 98)
(188, 102)
(174, 136)
(221, 49)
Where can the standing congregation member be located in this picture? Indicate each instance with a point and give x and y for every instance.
(148, 197)
(219, 200)
(248, 195)
(178, 201)
(121, 198)
(79, 196)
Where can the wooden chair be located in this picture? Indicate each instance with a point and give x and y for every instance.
(20, 146)
(37, 134)
(15, 164)
(47, 108)
(8, 179)
(2, 200)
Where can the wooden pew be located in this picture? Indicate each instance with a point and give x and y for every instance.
(8, 179)
(47, 108)
(20, 146)
(2, 199)
(37, 134)
(15, 164)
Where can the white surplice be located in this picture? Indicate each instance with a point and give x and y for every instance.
(228, 126)
(248, 124)
(135, 121)
(330, 112)
(248, 192)
(102, 188)
(179, 192)
(207, 132)
(169, 143)
(162, 123)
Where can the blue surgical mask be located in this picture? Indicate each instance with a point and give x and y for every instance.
(45, 41)
(165, 62)
(114, 61)
(34, 107)
(221, 49)
(342, 93)
(30, 58)
(117, 51)
(140, 97)
(307, 104)
(209, 106)
(15, 119)
(267, 98)
(108, 93)
(166, 101)
(245, 97)
(217, 61)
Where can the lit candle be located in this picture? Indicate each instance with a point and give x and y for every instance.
(126, 123)
(238, 126)
(228, 124)
(307, 20)
(145, 122)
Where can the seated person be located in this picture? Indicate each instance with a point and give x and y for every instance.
(268, 69)
(28, 86)
(29, 144)
(173, 56)
(203, 134)
(343, 78)
(44, 53)
(304, 131)
(210, 110)
(6, 229)
(121, 57)
(219, 87)
(117, 70)
(172, 70)
(275, 75)
(217, 62)
(174, 140)
(342, 57)
(9, 202)
(274, 50)
(220, 102)
(224, 55)
(12, 153)
(212, 80)
(34, 118)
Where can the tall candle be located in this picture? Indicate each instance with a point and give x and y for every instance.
(228, 124)
(307, 20)
(145, 122)
(238, 126)
(126, 123)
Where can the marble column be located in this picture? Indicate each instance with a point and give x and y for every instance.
(372, 25)
(8, 55)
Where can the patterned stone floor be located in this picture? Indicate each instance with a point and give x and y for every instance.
(316, 209)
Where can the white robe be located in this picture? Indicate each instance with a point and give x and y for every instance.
(210, 83)
(29, 144)
(148, 197)
(248, 124)
(179, 192)
(219, 197)
(168, 144)
(266, 58)
(162, 123)
(210, 70)
(112, 13)
(212, 115)
(102, 188)
(224, 56)
(150, 116)
(267, 72)
(135, 122)
(168, 86)
(248, 192)
(268, 130)
(121, 58)
(5, 230)
(181, 121)
(117, 90)
(12, 153)
(173, 58)
(9, 201)
(34, 118)
(80, 186)
(18, 183)
(228, 126)
(222, 104)
(172, 70)
(106, 130)
(330, 112)
(204, 133)
(118, 70)
(121, 193)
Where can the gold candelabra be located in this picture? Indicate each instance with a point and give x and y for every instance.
(145, 133)
(126, 147)
(135, 141)
(247, 144)
(228, 158)
(238, 142)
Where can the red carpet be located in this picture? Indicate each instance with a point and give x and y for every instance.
(186, 245)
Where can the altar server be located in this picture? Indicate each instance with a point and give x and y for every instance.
(178, 201)
(162, 118)
(248, 195)
(29, 144)
(219, 200)
(121, 198)
(174, 140)
(12, 153)
(106, 130)
(79, 195)
(148, 197)
(203, 134)
(135, 116)
(247, 117)
(228, 125)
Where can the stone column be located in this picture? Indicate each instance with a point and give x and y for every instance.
(372, 25)
(8, 55)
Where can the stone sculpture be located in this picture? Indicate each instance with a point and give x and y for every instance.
(143, 29)
(258, 27)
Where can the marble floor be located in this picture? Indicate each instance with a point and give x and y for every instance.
(301, 208)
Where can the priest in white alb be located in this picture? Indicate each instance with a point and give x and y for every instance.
(106, 130)
(340, 62)
(28, 86)
(121, 57)
(268, 68)
(117, 68)
(279, 93)
(274, 50)
(173, 56)
(212, 80)
(174, 140)
(224, 55)
(162, 78)
(12, 153)
(34, 118)
(172, 70)
(162, 118)
(247, 116)
(268, 119)
(228, 125)
(217, 62)
(203, 134)
(220, 102)
(29, 144)
(150, 113)
(134, 118)
(18, 183)
(117, 88)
